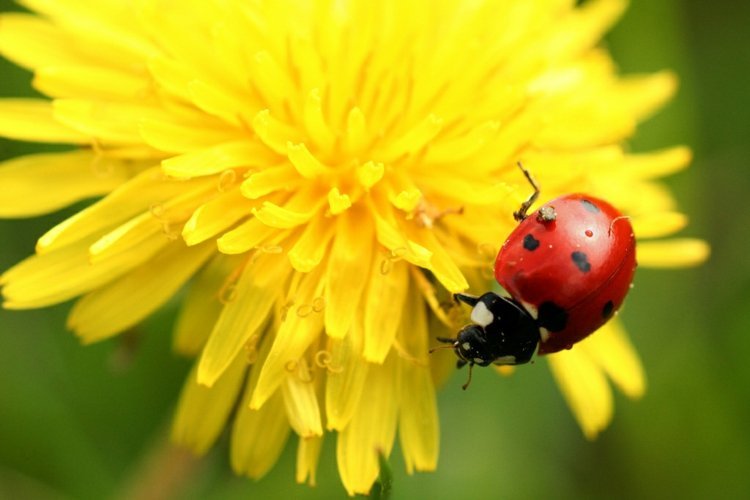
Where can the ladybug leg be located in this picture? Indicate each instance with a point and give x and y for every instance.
(460, 363)
(466, 299)
(468, 381)
(521, 213)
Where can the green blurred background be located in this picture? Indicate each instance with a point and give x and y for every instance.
(83, 422)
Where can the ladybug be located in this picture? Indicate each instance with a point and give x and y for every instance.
(566, 269)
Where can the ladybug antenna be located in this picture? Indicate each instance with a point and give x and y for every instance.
(437, 348)
(618, 218)
(521, 213)
(468, 381)
(445, 340)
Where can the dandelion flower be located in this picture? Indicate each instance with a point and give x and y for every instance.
(319, 175)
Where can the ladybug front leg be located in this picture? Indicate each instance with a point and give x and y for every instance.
(521, 213)
(471, 300)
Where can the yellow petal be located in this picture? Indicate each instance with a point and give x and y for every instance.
(581, 124)
(100, 31)
(272, 79)
(60, 275)
(456, 150)
(301, 326)
(301, 401)
(128, 300)
(33, 120)
(40, 183)
(311, 246)
(244, 237)
(93, 81)
(418, 419)
(193, 133)
(442, 367)
(384, 304)
(173, 75)
(338, 202)
(611, 349)
(356, 130)
(441, 264)
(657, 163)
(202, 412)
(413, 140)
(298, 210)
(202, 305)
(645, 94)
(652, 197)
(677, 252)
(147, 191)
(314, 120)
(346, 378)
(419, 428)
(32, 42)
(215, 216)
(585, 389)
(306, 164)
(371, 429)
(370, 174)
(407, 200)
(258, 437)
(108, 121)
(349, 262)
(219, 102)
(274, 134)
(456, 186)
(655, 224)
(308, 454)
(281, 178)
(392, 237)
(162, 221)
(246, 309)
(584, 27)
(403, 193)
(127, 236)
(216, 159)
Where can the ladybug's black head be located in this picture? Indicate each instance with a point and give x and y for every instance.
(471, 346)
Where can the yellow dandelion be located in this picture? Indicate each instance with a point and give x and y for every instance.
(320, 175)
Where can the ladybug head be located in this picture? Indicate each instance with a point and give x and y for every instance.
(471, 346)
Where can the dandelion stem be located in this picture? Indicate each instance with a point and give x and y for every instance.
(384, 485)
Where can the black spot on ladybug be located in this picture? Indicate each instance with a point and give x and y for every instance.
(608, 309)
(530, 243)
(589, 205)
(581, 261)
(552, 317)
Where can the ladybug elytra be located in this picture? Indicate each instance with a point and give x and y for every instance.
(566, 268)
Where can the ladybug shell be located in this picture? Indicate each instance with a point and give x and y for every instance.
(571, 273)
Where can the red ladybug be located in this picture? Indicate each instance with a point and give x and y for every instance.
(567, 268)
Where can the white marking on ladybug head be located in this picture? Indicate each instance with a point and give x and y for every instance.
(505, 360)
(478, 361)
(465, 346)
(543, 334)
(481, 315)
